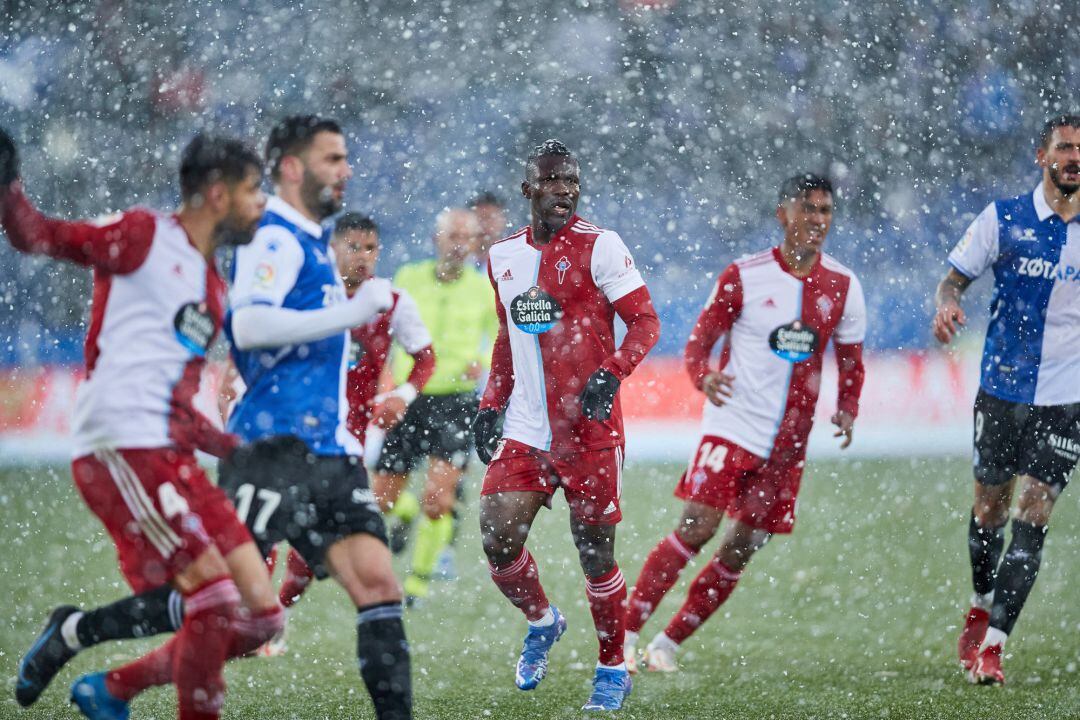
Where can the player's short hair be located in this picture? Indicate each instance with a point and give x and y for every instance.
(293, 135)
(486, 197)
(351, 221)
(545, 149)
(208, 159)
(801, 185)
(1058, 121)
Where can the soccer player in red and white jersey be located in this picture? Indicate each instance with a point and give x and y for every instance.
(555, 373)
(777, 311)
(157, 306)
(356, 249)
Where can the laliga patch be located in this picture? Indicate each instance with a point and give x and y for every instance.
(264, 276)
(535, 312)
(195, 328)
(794, 342)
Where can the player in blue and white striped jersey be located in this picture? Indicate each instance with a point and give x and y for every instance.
(1027, 411)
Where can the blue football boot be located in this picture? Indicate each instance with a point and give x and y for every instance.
(94, 700)
(611, 687)
(532, 665)
(44, 659)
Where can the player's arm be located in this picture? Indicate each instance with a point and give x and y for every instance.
(971, 257)
(118, 245)
(950, 317)
(265, 272)
(412, 335)
(500, 384)
(616, 275)
(718, 316)
(501, 379)
(848, 343)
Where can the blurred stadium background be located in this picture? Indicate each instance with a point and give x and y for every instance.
(686, 116)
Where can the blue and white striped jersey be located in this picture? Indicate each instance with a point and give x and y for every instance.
(297, 389)
(1032, 351)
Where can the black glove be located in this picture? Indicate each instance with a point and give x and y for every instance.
(599, 395)
(485, 429)
(9, 160)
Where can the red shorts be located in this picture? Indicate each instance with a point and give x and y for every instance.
(591, 479)
(160, 509)
(751, 490)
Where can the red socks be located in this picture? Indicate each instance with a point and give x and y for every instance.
(607, 601)
(297, 578)
(193, 659)
(661, 570)
(708, 592)
(251, 630)
(520, 583)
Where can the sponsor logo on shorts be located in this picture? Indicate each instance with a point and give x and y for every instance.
(794, 342)
(194, 328)
(1065, 447)
(363, 496)
(610, 508)
(698, 479)
(535, 312)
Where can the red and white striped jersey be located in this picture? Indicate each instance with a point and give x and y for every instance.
(556, 305)
(777, 327)
(369, 349)
(149, 333)
(157, 306)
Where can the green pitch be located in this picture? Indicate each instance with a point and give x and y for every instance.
(853, 616)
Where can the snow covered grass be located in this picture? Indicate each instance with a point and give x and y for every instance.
(853, 616)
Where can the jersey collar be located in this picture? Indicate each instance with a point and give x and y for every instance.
(566, 230)
(779, 256)
(278, 206)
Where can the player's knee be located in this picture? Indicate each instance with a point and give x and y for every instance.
(695, 535)
(210, 565)
(1035, 508)
(501, 550)
(596, 561)
(991, 515)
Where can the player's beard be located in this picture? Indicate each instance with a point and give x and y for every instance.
(228, 232)
(1067, 189)
(319, 197)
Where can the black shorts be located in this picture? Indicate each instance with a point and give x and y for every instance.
(282, 491)
(434, 425)
(1042, 441)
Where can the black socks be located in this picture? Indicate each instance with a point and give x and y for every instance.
(156, 611)
(383, 654)
(984, 547)
(1017, 574)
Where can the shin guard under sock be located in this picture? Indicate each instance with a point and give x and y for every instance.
(1017, 574)
(383, 654)
(984, 549)
(658, 575)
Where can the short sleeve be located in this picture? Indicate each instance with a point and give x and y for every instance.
(613, 267)
(978, 249)
(852, 326)
(408, 329)
(266, 269)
